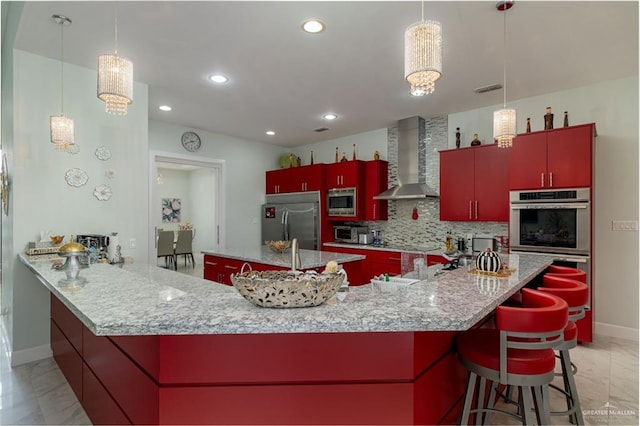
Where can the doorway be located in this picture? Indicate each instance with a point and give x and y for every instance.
(194, 186)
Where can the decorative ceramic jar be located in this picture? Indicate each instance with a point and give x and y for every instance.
(488, 261)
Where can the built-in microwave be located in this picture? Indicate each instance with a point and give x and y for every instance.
(551, 221)
(341, 202)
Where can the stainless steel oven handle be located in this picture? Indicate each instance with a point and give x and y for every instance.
(547, 206)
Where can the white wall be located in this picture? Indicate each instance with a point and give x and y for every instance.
(41, 198)
(245, 164)
(324, 152)
(202, 208)
(613, 106)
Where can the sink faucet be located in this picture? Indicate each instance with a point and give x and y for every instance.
(295, 254)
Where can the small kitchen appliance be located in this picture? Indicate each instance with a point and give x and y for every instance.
(341, 202)
(348, 233)
(365, 238)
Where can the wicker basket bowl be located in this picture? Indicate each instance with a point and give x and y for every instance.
(286, 289)
(278, 246)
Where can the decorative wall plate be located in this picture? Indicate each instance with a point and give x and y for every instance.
(4, 182)
(76, 177)
(103, 153)
(73, 148)
(102, 192)
(110, 173)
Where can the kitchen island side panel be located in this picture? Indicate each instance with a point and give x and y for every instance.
(385, 378)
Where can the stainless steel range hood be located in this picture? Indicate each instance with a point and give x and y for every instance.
(409, 158)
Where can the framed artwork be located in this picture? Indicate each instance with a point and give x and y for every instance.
(171, 210)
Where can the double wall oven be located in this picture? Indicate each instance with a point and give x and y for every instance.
(553, 222)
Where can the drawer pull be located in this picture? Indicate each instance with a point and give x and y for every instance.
(231, 267)
(211, 263)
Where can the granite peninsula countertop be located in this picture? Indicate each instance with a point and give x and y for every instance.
(262, 254)
(141, 299)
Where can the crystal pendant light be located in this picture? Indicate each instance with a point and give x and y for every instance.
(115, 80)
(423, 55)
(60, 126)
(504, 120)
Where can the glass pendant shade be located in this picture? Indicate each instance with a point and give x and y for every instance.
(504, 127)
(423, 56)
(62, 135)
(115, 83)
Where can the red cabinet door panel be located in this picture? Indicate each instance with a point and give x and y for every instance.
(491, 184)
(569, 157)
(68, 359)
(98, 404)
(456, 185)
(528, 161)
(134, 391)
(67, 322)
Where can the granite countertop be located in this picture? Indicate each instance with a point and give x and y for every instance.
(141, 299)
(262, 254)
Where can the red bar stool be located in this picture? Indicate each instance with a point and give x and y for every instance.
(576, 294)
(567, 272)
(517, 352)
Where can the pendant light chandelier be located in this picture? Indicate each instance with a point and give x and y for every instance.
(115, 80)
(423, 55)
(60, 126)
(504, 120)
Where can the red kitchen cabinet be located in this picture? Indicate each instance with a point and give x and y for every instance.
(559, 158)
(385, 262)
(376, 177)
(219, 269)
(295, 179)
(474, 184)
(346, 174)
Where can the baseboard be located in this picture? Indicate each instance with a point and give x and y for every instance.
(618, 331)
(29, 355)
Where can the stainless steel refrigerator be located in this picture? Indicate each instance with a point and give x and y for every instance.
(289, 216)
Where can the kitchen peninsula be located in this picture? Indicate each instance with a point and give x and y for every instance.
(141, 344)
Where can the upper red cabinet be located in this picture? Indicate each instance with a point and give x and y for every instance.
(345, 174)
(377, 174)
(295, 179)
(560, 158)
(473, 184)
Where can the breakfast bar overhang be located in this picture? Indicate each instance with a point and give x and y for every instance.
(144, 345)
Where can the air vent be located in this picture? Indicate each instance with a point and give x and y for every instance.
(321, 129)
(488, 88)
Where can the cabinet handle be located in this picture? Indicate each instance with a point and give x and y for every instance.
(374, 211)
(542, 180)
(476, 209)
(231, 267)
(211, 263)
(470, 217)
(550, 179)
(395, 258)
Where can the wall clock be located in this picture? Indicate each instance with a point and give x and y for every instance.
(191, 141)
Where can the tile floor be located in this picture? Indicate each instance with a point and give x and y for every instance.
(607, 379)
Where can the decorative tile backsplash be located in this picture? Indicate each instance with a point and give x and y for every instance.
(427, 231)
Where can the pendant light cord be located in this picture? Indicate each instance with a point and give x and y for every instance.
(62, 67)
(504, 57)
(116, 29)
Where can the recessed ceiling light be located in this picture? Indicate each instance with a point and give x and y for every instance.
(164, 108)
(313, 26)
(270, 132)
(218, 78)
(330, 116)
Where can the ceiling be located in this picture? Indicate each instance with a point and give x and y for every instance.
(284, 79)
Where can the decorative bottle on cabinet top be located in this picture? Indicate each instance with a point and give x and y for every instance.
(311, 162)
(457, 137)
(354, 152)
(548, 119)
(566, 119)
(336, 154)
(528, 125)
(475, 141)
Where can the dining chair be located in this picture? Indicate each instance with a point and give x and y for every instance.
(184, 246)
(165, 248)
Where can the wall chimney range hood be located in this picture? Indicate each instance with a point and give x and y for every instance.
(409, 187)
